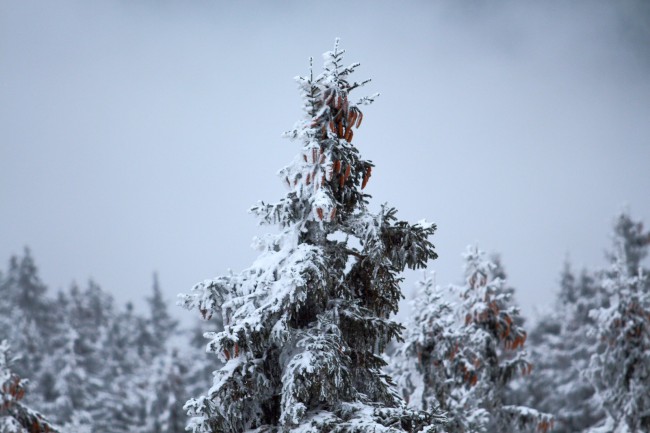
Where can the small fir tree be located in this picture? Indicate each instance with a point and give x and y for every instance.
(89, 313)
(31, 324)
(90, 364)
(122, 399)
(71, 390)
(306, 324)
(168, 394)
(493, 343)
(430, 366)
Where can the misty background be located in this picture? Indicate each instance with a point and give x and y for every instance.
(134, 135)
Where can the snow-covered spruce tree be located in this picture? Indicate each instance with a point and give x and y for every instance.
(561, 345)
(15, 417)
(429, 367)
(493, 344)
(306, 324)
(621, 371)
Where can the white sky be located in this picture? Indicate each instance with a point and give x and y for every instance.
(134, 136)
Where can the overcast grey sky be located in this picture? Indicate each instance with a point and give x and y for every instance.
(134, 135)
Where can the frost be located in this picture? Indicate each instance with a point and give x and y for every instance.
(460, 357)
(304, 327)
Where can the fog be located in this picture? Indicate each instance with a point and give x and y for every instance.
(134, 135)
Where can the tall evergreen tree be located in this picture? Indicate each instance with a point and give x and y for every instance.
(621, 371)
(306, 324)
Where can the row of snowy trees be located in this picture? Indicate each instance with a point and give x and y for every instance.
(97, 368)
(304, 340)
(306, 327)
(592, 351)
(588, 369)
(87, 364)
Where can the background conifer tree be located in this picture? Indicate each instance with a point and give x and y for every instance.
(620, 372)
(125, 375)
(306, 324)
(460, 357)
(162, 324)
(429, 367)
(561, 345)
(169, 393)
(493, 345)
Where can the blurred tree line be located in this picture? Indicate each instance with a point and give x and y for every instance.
(95, 366)
(90, 365)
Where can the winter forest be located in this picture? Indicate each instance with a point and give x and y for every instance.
(306, 339)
